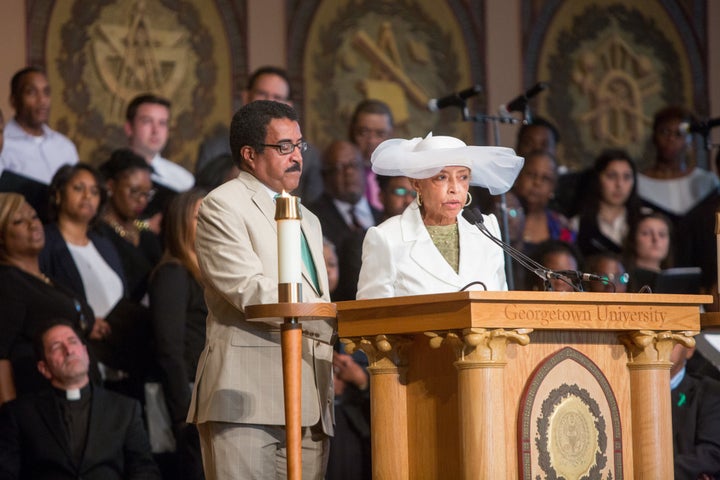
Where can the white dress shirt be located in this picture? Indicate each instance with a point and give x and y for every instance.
(36, 157)
(171, 175)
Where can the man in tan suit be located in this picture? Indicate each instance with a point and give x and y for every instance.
(237, 401)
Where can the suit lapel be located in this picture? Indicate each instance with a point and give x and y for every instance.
(50, 412)
(422, 249)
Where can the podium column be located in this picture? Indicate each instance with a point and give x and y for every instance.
(481, 360)
(388, 360)
(649, 365)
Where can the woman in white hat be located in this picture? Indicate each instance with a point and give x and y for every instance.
(430, 247)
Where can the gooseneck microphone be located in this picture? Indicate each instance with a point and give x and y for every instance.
(519, 103)
(702, 128)
(456, 99)
(571, 277)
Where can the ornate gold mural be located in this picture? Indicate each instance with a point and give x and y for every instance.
(105, 53)
(403, 53)
(611, 65)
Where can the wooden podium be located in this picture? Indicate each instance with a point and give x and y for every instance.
(501, 385)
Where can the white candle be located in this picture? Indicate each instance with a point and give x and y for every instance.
(289, 246)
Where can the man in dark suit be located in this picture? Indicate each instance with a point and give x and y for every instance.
(345, 212)
(75, 429)
(695, 420)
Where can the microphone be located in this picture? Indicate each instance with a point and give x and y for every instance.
(454, 99)
(699, 127)
(475, 217)
(519, 103)
(581, 276)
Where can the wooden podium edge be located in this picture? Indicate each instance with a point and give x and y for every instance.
(301, 311)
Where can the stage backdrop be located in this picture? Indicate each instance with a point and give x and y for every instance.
(99, 54)
(611, 64)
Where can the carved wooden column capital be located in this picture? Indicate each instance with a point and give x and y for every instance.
(648, 347)
(383, 351)
(479, 345)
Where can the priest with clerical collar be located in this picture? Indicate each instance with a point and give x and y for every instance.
(74, 429)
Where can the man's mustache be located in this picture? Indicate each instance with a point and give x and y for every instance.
(294, 168)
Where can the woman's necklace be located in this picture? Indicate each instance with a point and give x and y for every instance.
(132, 234)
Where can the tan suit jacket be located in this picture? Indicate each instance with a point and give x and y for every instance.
(239, 376)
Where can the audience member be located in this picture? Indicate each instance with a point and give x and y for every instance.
(216, 172)
(396, 193)
(344, 212)
(28, 297)
(270, 83)
(178, 313)
(558, 256)
(610, 266)
(2, 131)
(370, 125)
(540, 135)
(76, 429)
(31, 148)
(75, 255)
(695, 404)
(129, 186)
(611, 204)
(350, 446)
(673, 185)
(535, 186)
(649, 249)
(147, 125)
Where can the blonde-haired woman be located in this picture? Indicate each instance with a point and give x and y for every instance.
(28, 298)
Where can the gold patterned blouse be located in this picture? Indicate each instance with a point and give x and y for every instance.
(447, 240)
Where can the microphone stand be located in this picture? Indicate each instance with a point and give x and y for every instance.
(496, 120)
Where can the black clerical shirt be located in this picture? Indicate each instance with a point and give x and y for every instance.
(75, 413)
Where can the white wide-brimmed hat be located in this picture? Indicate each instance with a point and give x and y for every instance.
(494, 168)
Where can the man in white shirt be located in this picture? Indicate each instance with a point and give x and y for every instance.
(147, 123)
(31, 148)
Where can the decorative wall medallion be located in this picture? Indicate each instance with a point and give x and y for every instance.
(402, 52)
(611, 65)
(106, 52)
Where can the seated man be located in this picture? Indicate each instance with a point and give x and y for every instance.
(75, 429)
(695, 420)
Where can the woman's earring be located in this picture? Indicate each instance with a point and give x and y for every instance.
(469, 200)
(419, 200)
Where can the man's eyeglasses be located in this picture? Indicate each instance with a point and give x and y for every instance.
(286, 148)
(401, 192)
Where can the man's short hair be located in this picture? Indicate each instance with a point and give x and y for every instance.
(43, 328)
(672, 113)
(16, 79)
(370, 106)
(269, 70)
(249, 125)
(135, 103)
(538, 121)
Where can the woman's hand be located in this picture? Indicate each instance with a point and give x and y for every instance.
(347, 370)
(101, 329)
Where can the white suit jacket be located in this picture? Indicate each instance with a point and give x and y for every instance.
(239, 375)
(399, 258)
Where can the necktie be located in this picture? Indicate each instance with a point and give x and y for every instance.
(354, 221)
(308, 261)
(307, 258)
